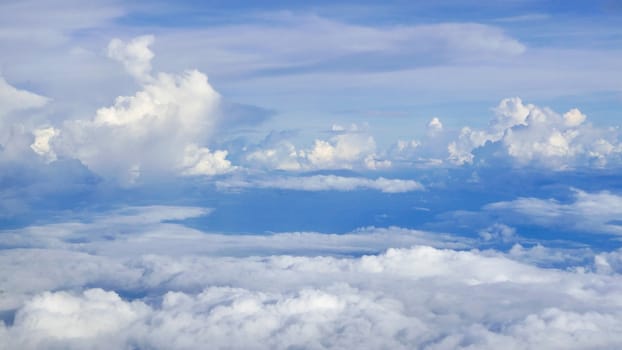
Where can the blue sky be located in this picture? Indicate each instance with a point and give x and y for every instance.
(409, 174)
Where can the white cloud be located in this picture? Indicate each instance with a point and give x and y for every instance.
(435, 125)
(574, 117)
(13, 99)
(231, 48)
(327, 183)
(470, 300)
(41, 145)
(127, 280)
(528, 134)
(135, 55)
(280, 156)
(341, 151)
(65, 316)
(596, 212)
(201, 161)
(349, 148)
(159, 130)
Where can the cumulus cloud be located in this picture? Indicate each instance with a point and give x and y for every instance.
(340, 151)
(201, 161)
(527, 134)
(435, 125)
(163, 128)
(135, 55)
(41, 145)
(349, 148)
(327, 183)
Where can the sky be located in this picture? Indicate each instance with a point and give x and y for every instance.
(296, 175)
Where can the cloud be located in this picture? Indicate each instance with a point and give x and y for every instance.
(327, 183)
(529, 135)
(13, 99)
(131, 278)
(16, 127)
(41, 145)
(435, 125)
(348, 148)
(201, 161)
(299, 51)
(135, 55)
(343, 150)
(498, 231)
(596, 212)
(162, 129)
(470, 300)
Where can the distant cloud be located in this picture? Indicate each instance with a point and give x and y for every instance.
(530, 17)
(597, 212)
(349, 148)
(326, 183)
(12, 99)
(527, 134)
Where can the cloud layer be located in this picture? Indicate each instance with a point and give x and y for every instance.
(137, 282)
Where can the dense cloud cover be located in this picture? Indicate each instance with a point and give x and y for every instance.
(127, 280)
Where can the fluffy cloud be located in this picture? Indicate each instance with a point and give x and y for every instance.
(348, 148)
(528, 134)
(130, 279)
(327, 183)
(135, 55)
(201, 161)
(341, 151)
(41, 145)
(160, 129)
(435, 125)
(419, 297)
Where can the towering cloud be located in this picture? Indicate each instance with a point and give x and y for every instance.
(162, 129)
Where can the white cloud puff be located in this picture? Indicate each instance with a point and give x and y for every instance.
(201, 161)
(405, 298)
(135, 55)
(160, 129)
(62, 316)
(349, 148)
(41, 145)
(528, 134)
